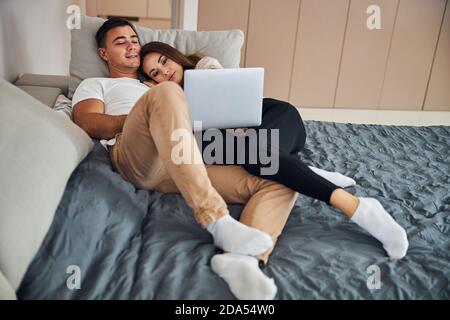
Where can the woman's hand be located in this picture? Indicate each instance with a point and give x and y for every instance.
(150, 83)
(240, 131)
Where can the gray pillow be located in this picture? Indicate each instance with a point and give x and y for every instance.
(39, 150)
(46, 95)
(85, 62)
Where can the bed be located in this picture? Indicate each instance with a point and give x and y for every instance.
(129, 243)
(72, 228)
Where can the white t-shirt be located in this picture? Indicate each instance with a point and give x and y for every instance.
(118, 94)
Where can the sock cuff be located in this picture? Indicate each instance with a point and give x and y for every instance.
(250, 259)
(358, 216)
(212, 226)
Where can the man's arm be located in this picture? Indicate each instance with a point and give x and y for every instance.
(90, 115)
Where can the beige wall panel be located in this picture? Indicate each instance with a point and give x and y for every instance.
(438, 95)
(161, 24)
(318, 51)
(129, 8)
(91, 8)
(412, 51)
(271, 42)
(365, 55)
(223, 15)
(159, 9)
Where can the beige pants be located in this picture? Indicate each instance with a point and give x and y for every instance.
(142, 155)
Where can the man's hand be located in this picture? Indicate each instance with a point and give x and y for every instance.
(90, 115)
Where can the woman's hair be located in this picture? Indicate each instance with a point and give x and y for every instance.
(186, 61)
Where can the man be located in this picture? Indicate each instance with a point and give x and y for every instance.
(135, 124)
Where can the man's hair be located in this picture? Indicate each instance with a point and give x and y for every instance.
(109, 24)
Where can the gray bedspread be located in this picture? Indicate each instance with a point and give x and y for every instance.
(138, 244)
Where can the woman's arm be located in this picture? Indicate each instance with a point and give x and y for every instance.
(208, 63)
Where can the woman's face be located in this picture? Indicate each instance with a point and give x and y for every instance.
(160, 68)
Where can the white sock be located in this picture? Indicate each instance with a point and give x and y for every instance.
(244, 277)
(335, 177)
(371, 216)
(234, 236)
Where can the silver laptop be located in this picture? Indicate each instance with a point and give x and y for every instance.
(225, 98)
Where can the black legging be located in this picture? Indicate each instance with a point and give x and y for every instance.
(292, 172)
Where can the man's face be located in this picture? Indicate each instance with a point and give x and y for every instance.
(122, 49)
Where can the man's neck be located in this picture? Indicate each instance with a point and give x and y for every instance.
(115, 73)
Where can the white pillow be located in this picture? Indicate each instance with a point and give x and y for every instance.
(6, 292)
(39, 150)
(85, 62)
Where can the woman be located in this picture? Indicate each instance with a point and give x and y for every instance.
(161, 62)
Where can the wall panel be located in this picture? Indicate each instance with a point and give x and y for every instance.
(365, 55)
(438, 95)
(224, 15)
(411, 55)
(318, 50)
(271, 43)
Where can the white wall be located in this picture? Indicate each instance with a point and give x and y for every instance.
(34, 37)
(190, 14)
